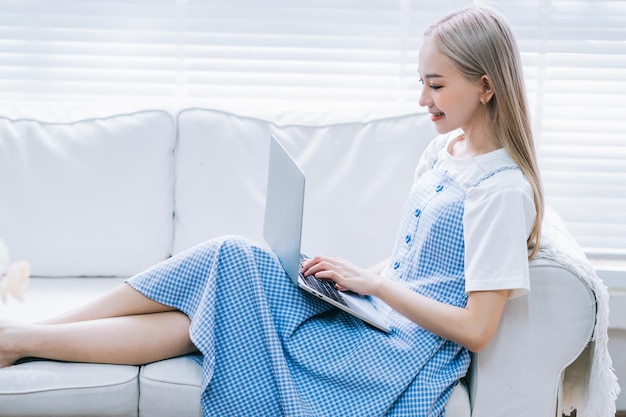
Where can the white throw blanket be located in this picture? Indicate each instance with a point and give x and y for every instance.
(590, 386)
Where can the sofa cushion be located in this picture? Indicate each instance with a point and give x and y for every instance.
(172, 388)
(353, 196)
(68, 389)
(93, 197)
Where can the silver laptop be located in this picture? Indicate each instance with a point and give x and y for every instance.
(283, 232)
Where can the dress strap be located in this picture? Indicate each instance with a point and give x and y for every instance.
(494, 172)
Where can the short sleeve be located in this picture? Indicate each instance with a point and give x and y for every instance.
(497, 223)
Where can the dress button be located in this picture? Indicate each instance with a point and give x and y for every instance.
(407, 238)
(439, 188)
(396, 265)
(418, 212)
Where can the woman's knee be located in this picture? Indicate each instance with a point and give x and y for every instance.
(236, 243)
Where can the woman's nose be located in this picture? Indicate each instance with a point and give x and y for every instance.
(424, 99)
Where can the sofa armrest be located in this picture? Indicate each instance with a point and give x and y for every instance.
(520, 373)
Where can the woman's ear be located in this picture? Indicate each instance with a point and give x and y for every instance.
(487, 89)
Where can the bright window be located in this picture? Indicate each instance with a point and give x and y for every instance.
(339, 53)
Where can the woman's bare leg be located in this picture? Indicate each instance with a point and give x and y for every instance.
(121, 327)
(131, 340)
(121, 301)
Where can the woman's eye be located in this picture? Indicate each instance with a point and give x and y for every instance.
(431, 86)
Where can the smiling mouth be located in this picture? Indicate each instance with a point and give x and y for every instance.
(436, 116)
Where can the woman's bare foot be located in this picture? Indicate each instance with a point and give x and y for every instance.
(9, 343)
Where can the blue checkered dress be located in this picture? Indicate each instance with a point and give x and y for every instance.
(270, 349)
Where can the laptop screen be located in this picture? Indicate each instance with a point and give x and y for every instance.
(284, 206)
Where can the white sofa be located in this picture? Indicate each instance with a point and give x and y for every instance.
(93, 201)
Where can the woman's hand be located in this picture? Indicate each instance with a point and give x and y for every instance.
(472, 326)
(346, 276)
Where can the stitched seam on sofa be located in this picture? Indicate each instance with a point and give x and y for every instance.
(91, 119)
(80, 388)
(306, 125)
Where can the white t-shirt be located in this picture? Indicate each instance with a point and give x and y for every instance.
(497, 220)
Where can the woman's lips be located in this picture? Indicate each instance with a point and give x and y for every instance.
(436, 116)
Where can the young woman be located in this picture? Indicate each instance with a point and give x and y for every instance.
(470, 222)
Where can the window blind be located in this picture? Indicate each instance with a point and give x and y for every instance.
(305, 52)
(584, 125)
(574, 54)
(339, 53)
(88, 50)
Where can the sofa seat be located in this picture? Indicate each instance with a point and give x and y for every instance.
(162, 389)
(61, 389)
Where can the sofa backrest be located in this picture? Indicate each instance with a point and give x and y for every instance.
(113, 195)
(93, 197)
(358, 174)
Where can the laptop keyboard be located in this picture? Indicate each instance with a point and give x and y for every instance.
(324, 287)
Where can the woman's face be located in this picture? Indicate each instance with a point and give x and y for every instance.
(452, 100)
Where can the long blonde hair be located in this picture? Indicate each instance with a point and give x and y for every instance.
(479, 41)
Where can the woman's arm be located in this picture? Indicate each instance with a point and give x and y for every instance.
(472, 326)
